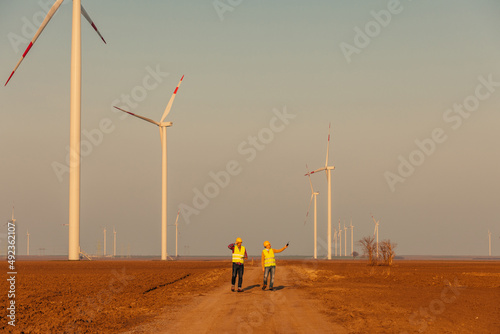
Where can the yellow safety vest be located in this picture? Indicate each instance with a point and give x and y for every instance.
(238, 254)
(269, 260)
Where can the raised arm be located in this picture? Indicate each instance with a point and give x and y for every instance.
(280, 250)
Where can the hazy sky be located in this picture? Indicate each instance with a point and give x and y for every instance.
(411, 88)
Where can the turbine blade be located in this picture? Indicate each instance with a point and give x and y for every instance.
(317, 170)
(138, 116)
(86, 15)
(328, 145)
(310, 182)
(169, 105)
(176, 219)
(51, 13)
(307, 214)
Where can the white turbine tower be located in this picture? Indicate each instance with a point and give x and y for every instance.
(352, 238)
(489, 242)
(345, 240)
(13, 220)
(75, 117)
(313, 195)
(114, 242)
(375, 231)
(335, 239)
(163, 138)
(176, 231)
(328, 170)
(340, 240)
(28, 242)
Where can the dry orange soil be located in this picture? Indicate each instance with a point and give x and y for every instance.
(311, 297)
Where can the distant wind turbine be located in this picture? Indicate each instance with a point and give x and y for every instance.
(28, 242)
(335, 237)
(352, 238)
(340, 239)
(163, 138)
(176, 231)
(328, 170)
(345, 239)
(313, 195)
(13, 220)
(75, 116)
(375, 231)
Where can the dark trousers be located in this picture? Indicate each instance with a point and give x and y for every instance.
(267, 271)
(237, 270)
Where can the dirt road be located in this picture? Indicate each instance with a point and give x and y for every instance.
(312, 297)
(284, 310)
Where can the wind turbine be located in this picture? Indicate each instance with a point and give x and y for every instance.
(13, 220)
(75, 116)
(176, 231)
(335, 239)
(328, 170)
(28, 245)
(489, 239)
(340, 237)
(114, 242)
(163, 138)
(352, 238)
(345, 239)
(313, 194)
(375, 232)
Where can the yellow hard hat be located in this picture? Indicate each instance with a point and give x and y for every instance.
(266, 243)
(238, 240)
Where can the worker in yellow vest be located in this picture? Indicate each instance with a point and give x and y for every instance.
(239, 256)
(269, 263)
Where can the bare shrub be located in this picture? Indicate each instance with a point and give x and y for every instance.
(369, 247)
(387, 251)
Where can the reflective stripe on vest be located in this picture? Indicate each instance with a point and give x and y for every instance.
(238, 254)
(269, 260)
